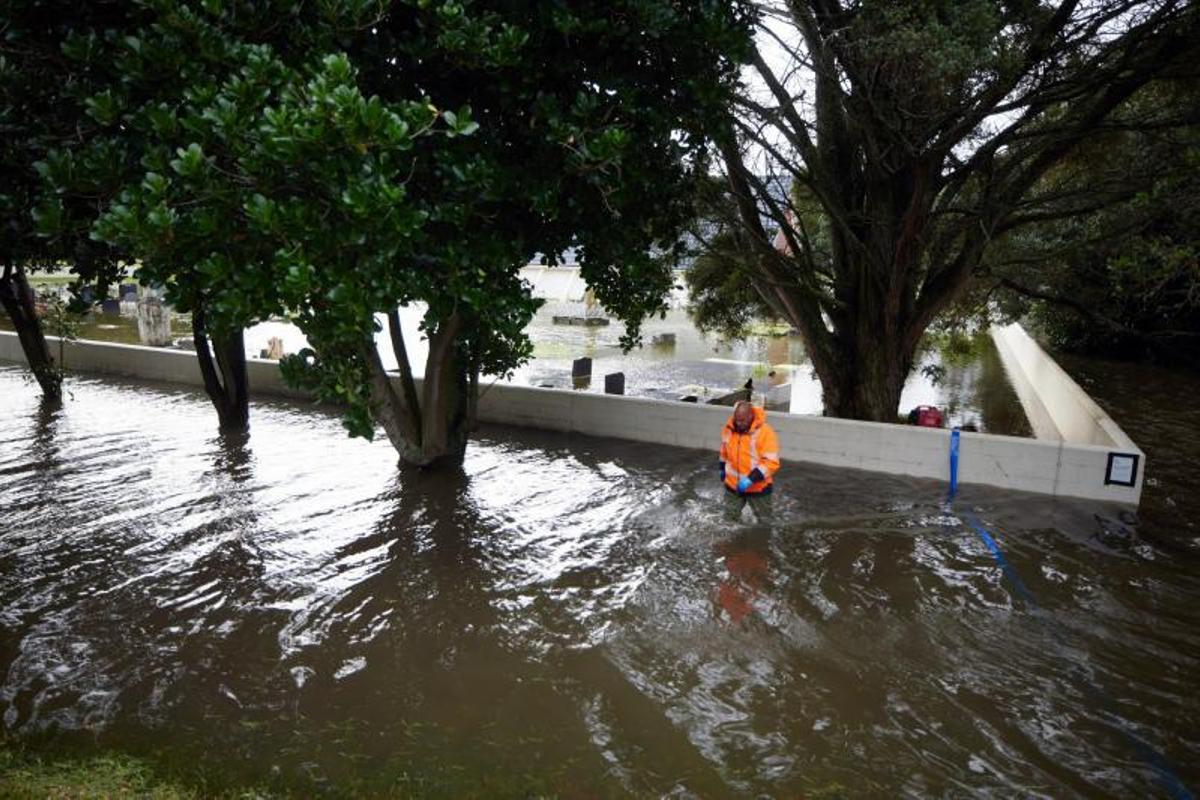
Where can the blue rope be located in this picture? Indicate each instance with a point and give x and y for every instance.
(1167, 776)
(954, 435)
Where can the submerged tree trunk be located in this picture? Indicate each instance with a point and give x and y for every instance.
(223, 367)
(17, 298)
(429, 429)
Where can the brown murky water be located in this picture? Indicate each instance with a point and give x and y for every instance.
(569, 616)
(1157, 406)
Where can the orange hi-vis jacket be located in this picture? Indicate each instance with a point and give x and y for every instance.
(742, 453)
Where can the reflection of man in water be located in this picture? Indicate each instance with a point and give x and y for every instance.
(749, 460)
(747, 576)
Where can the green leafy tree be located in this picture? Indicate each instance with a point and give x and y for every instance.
(443, 147)
(172, 87)
(921, 130)
(44, 97)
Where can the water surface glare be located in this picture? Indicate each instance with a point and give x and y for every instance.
(568, 615)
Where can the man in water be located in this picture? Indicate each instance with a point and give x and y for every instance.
(749, 460)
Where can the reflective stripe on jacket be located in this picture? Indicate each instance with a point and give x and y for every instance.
(742, 453)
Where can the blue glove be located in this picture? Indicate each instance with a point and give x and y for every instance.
(743, 484)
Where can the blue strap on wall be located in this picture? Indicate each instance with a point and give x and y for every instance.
(1155, 760)
(954, 436)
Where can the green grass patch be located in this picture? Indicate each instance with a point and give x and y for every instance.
(25, 775)
(768, 328)
(65, 772)
(37, 279)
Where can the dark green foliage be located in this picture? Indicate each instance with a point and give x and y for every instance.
(331, 163)
(46, 102)
(722, 294)
(1123, 280)
(49, 76)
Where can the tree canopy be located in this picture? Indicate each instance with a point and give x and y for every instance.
(1122, 279)
(383, 154)
(44, 106)
(891, 144)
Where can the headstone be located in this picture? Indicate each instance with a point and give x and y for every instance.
(87, 294)
(663, 340)
(275, 348)
(582, 382)
(614, 383)
(591, 306)
(110, 306)
(128, 289)
(154, 319)
(581, 368)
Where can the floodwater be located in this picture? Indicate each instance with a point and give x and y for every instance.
(972, 389)
(1157, 406)
(567, 616)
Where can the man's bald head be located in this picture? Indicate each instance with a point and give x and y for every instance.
(743, 416)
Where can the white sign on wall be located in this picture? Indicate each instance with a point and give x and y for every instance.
(1122, 469)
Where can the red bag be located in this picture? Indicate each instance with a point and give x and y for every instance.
(926, 416)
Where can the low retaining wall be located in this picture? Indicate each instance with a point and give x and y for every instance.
(1059, 410)
(1007, 462)
(1057, 407)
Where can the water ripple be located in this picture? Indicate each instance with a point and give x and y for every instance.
(291, 598)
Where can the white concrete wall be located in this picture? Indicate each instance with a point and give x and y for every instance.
(1057, 407)
(1029, 465)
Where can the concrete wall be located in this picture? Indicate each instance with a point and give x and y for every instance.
(1030, 465)
(1057, 407)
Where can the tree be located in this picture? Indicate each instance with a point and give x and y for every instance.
(42, 94)
(149, 76)
(427, 163)
(1123, 280)
(920, 131)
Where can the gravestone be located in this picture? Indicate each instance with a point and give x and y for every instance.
(614, 383)
(127, 289)
(154, 319)
(581, 368)
(110, 305)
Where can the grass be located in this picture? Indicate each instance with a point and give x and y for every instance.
(23, 775)
(33, 773)
(766, 328)
(38, 279)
